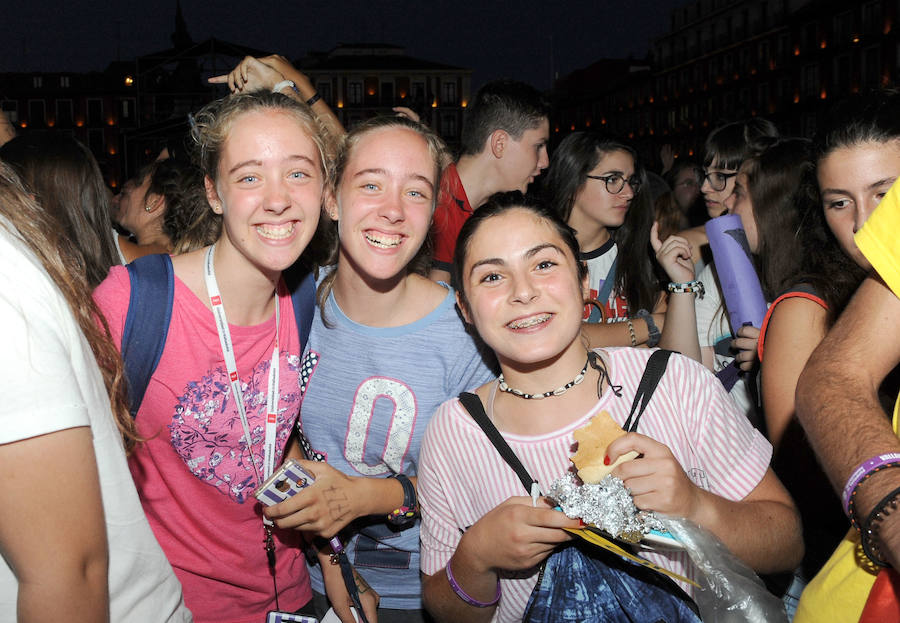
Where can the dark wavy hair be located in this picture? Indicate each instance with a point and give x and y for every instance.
(575, 157)
(796, 245)
(66, 181)
(498, 204)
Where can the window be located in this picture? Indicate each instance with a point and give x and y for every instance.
(871, 17)
(448, 93)
(37, 113)
(64, 82)
(11, 110)
(95, 142)
(354, 93)
(449, 127)
(872, 66)
(418, 92)
(810, 82)
(64, 116)
(841, 80)
(762, 96)
(126, 109)
(37, 82)
(95, 111)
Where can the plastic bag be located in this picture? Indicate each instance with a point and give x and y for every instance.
(732, 592)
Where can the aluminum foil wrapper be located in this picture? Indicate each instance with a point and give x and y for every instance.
(606, 505)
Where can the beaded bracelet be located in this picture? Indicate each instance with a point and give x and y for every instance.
(468, 598)
(869, 532)
(631, 331)
(692, 287)
(865, 469)
(407, 511)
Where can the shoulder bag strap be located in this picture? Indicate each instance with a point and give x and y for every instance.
(302, 286)
(473, 405)
(656, 367)
(147, 322)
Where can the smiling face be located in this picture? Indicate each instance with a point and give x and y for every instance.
(594, 203)
(522, 289)
(384, 203)
(269, 189)
(524, 159)
(852, 182)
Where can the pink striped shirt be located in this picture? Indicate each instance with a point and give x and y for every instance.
(462, 476)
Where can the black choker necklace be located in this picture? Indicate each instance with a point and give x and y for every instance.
(556, 392)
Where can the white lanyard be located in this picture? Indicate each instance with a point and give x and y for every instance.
(215, 299)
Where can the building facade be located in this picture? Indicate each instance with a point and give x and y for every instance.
(363, 80)
(724, 60)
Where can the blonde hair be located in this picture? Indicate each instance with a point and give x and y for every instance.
(64, 263)
(211, 126)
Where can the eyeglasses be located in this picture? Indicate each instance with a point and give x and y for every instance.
(615, 183)
(716, 179)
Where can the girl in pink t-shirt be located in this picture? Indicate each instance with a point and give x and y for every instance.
(522, 287)
(264, 157)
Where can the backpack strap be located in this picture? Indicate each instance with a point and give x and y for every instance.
(301, 283)
(473, 405)
(656, 367)
(147, 322)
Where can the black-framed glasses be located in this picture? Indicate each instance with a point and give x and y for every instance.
(717, 180)
(615, 182)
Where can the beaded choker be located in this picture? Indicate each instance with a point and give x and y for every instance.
(556, 392)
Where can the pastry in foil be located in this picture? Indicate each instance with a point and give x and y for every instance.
(593, 440)
(607, 505)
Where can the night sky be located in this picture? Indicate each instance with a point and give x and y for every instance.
(529, 40)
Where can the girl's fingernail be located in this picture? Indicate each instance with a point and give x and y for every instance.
(606, 460)
(581, 523)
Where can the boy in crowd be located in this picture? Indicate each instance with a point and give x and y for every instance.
(504, 147)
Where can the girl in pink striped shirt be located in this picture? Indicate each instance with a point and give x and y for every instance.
(519, 283)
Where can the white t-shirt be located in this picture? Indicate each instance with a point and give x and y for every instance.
(51, 382)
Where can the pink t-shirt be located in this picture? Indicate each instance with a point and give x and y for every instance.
(193, 474)
(462, 476)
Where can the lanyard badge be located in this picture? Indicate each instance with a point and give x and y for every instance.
(218, 309)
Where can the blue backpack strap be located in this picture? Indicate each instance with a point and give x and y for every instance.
(147, 323)
(302, 285)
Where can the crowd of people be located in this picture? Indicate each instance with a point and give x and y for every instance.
(424, 336)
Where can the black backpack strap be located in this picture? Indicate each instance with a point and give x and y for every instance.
(302, 285)
(656, 367)
(147, 322)
(473, 405)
